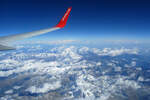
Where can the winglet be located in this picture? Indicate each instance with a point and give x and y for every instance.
(63, 21)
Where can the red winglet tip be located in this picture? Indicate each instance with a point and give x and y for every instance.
(64, 19)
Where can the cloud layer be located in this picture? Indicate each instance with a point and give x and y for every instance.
(70, 71)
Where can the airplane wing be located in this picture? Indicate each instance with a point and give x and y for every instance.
(12, 38)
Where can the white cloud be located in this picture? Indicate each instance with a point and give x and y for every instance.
(68, 61)
(117, 52)
(10, 63)
(9, 92)
(110, 64)
(69, 52)
(16, 87)
(102, 85)
(45, 55)
(118, 69)
(133, 63)
(140, 78)
(128, 83)
(30, 65)
(45, 88)
(114, 52)
(99, 64)
(138, 68)
(126, 65)
(83, 50)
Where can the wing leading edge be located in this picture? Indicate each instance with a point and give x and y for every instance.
(12, 38)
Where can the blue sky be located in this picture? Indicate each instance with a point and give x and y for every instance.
(89, 19)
